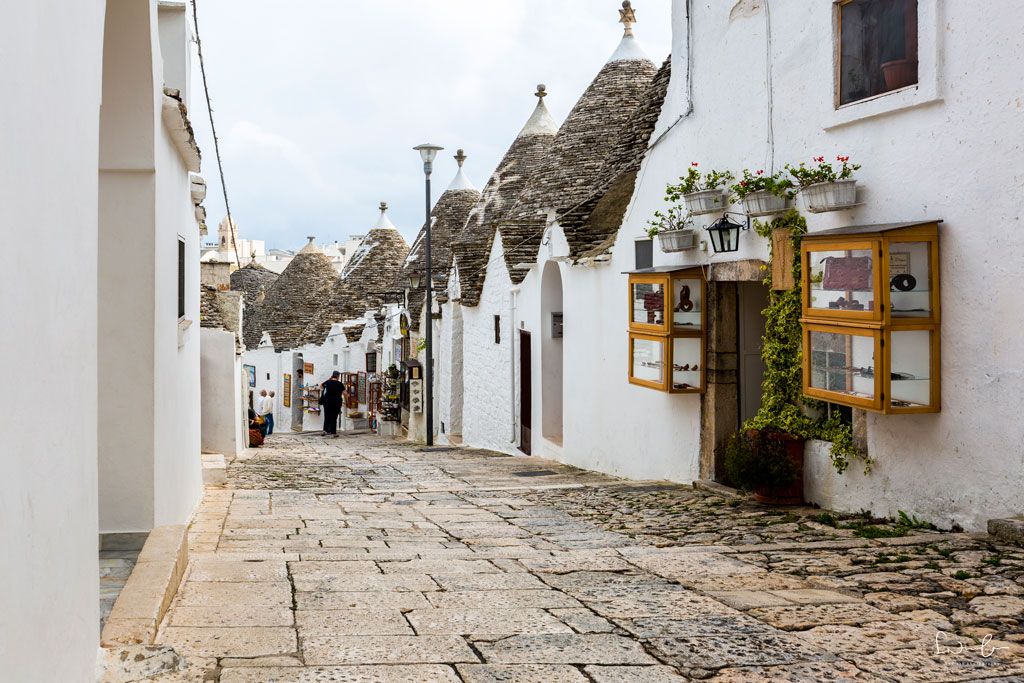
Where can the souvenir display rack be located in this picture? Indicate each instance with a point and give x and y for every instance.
(871, 319)
(390, 405)
(667, 329)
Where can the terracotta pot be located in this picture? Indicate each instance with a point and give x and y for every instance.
(899, 73)
(786, 495)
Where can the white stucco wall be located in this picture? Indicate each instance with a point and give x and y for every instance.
(488, 385)
(149, 432)
(958, 138)
(48, 188)
(221, 390)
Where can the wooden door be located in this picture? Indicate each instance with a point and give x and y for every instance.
(752, 300)
(525, 393)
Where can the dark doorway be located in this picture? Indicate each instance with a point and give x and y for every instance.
(525, 393)
(752, 300)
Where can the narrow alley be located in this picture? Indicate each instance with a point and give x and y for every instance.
(368, 559)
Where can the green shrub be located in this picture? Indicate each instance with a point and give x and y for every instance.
(758, 461)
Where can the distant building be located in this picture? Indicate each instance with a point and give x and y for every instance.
(276, 260)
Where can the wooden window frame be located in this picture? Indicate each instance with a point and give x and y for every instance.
(667, 333)
(878, 323)
(837, 60)
(875, 402)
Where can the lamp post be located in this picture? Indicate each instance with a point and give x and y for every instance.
(428, 153)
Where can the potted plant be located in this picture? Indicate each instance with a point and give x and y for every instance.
(673, 229)
(763, 195)
(768, 463)
(825, 188)
(701, 192)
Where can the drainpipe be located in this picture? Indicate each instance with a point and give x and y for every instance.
(512, 361)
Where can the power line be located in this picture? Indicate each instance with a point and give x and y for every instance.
(216, 142)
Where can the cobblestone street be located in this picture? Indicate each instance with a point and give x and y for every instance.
(363, 559)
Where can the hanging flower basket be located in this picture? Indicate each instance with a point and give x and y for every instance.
(705, 201)
(830, 196)
(677, 240)
(763, 203)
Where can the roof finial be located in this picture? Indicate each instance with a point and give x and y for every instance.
(627, 16)
(460, 157)
(542, 91)
(383, 207)
(311, 238)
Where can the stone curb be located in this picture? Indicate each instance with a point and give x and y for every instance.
(149, 590)
(714, 487)
(1007, 530)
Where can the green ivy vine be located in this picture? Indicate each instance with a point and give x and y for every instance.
(783, 405)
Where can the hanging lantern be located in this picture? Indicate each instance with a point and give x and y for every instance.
(414, 279)
(725, 234)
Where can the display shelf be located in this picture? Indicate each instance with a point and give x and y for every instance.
(871, 316)
(667, 329)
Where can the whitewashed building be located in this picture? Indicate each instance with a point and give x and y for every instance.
(103, 333)
(926, 138)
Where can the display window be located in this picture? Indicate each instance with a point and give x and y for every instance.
(871, 317)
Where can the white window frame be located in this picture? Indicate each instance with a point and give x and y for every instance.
(925, 92)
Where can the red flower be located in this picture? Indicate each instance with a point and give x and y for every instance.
(694, 164)
(820, 160)
(761, 172)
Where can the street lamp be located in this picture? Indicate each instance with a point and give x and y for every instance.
(428, 153)
(414, 279)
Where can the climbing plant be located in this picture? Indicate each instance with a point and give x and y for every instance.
(783, 406)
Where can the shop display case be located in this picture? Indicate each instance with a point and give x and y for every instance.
(667, 329)
(871, 317)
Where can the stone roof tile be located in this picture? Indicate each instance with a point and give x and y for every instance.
(295, 296)
(253, 281)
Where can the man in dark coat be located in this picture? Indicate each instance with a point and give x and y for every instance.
(331, 397)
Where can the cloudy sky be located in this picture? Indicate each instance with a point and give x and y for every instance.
(318, 103)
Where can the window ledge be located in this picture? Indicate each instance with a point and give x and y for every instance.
(911, 97)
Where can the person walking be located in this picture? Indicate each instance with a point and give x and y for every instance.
(261, 410)
(271, 404)
(331, 396)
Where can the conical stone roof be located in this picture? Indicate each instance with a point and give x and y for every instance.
(253, 281)
(567, 176)
(591, 227)
(369, 273)
(473, 247)
(448, 218)
(294, 297)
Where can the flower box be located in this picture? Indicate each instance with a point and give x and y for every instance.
(831, 196)
(677, 240)
(763, 203)
(705, 201)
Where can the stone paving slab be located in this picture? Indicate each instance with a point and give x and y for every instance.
(360, 600)
(336, 649)
(634, 674)
(566, 649)
(226, 594)
(365, 582)
(342, 674)
(353, 622)
(520, 673)
(230, 642)
(231, 615)
(237, 570)
(484, 623)
(502, 599)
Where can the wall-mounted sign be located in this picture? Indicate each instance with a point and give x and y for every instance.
(286, 391)
(416, 396)
(307, 370)
(250, 371)
(361, 387)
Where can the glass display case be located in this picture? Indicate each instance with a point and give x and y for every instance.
(666, 329)
(871, 317)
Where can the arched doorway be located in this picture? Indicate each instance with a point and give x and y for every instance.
(551, 353)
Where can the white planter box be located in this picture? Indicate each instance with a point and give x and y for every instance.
(349, 424)
(677, 240)
(705, 201)
(763, 203)
(820, 197)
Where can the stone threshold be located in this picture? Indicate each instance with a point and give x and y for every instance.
(149, 590)
(1007, 530)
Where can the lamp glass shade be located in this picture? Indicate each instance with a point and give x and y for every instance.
(414, 279)
(428, 152)
(725, 235)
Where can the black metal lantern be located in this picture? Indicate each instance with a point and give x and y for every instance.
(725, 234)
(414, 279)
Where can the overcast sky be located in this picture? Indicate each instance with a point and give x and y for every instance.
(318, 103)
